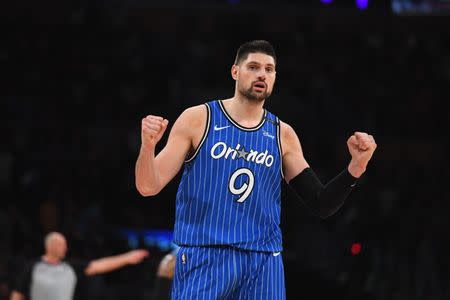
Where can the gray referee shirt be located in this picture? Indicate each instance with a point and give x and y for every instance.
(44, 281)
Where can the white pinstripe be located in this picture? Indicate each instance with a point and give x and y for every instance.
(236, 215)
(263, 197)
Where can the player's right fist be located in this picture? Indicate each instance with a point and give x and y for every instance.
(152, 129)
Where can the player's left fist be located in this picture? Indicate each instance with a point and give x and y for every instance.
(361, 147)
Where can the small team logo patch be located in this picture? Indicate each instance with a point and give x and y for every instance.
(267, 134)
(183, 258)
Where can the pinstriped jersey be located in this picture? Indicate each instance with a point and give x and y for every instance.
(230, 191)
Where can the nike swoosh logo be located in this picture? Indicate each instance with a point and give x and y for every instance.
(276, 253)
(220, 128)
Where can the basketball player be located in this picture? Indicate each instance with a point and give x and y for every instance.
(235, 155)
(52, 278)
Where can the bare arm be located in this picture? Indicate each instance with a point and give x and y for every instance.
(293, 160)
(15, 295)
(111, 263)
(153, 173)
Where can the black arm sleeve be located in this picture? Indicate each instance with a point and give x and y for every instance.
(323, 200)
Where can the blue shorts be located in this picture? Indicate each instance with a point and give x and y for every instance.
(228, 273)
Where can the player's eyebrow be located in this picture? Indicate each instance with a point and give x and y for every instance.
(258, 63)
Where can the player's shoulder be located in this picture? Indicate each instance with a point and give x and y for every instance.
(192, 119)
(289, 137)
(286, 129)
(195, 111)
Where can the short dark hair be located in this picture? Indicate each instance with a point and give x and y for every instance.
(256, 46)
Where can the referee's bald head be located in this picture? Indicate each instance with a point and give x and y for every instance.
(55, 245)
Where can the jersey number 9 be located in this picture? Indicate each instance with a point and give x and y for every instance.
(246, 188)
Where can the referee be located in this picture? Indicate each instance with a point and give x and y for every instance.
(52, 278)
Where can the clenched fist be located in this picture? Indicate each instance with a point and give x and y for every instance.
(152, 129)
(361, 147)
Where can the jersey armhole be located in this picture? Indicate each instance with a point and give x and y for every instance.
(205, 133)
(279, 146)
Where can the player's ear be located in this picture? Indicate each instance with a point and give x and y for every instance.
(234, 71)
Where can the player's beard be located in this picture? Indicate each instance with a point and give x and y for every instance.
(253, 96)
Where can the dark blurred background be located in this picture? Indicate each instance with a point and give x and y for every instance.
(78, 76)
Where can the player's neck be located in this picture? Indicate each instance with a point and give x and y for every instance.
(247, 113)
(51, 259)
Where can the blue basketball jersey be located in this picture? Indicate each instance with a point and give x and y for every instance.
(230, 191)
